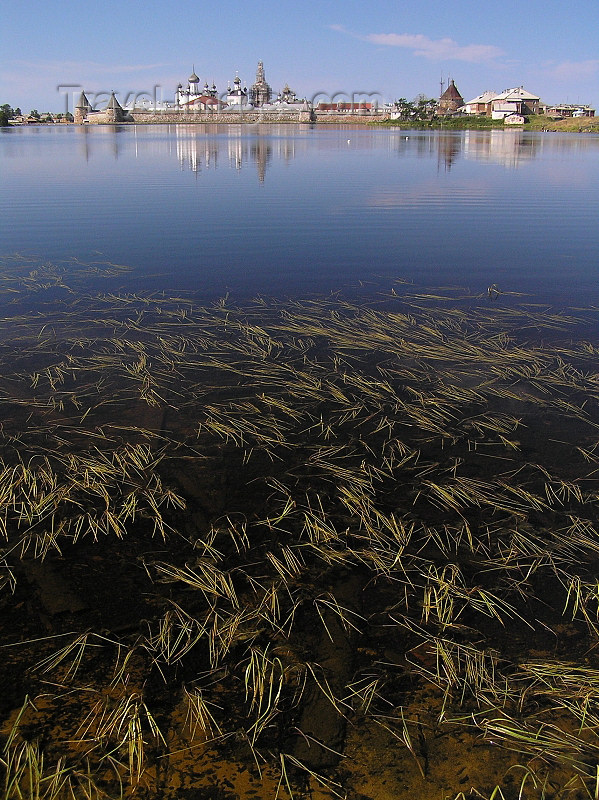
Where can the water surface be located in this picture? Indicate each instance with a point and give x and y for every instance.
(398, 503)
(294, 209)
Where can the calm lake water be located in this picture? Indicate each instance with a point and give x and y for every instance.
(426, 479)
(289, 209)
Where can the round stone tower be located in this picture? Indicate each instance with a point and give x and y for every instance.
(114, 111)
(82, 109)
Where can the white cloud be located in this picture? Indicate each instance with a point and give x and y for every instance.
(575, 70)
(437, 49)
(434, 49)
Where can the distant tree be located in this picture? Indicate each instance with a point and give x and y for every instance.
(69, 117)
(48, 118)
(34, 113)
(425, 107)
(405, 108)
(6, 113)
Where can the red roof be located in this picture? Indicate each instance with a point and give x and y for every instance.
(204, 100)
(344, 106)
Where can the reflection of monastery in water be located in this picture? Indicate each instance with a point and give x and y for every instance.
(508, 147)
(202, 148)
(197, 152)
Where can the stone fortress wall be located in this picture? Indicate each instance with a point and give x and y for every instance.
(223, 116)
(143, 117)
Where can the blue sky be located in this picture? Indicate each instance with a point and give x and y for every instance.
(386, 48)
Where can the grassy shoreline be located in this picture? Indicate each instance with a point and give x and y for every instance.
(538, 122)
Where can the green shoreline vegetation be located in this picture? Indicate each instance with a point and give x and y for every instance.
(317, 547)
(538, 122)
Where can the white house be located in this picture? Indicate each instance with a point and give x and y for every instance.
(514, 101)
(498, 106)
(514, 119)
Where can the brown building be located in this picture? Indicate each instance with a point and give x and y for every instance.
(450, 101)
(570, 110)
(345, 108)
(481, 104)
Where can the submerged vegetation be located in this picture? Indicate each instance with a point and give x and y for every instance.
(316, 547)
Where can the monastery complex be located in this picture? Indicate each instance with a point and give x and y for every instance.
(194, 103)
(201, 104)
